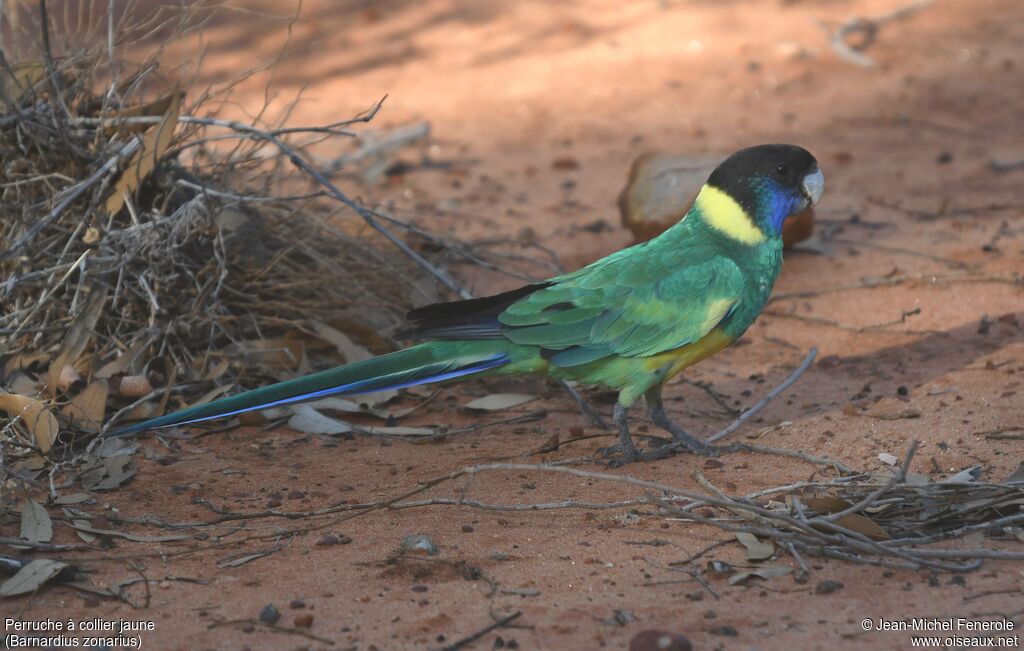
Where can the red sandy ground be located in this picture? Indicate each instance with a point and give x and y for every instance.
(513, 87)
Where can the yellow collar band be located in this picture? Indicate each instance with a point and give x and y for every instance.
(724, 214)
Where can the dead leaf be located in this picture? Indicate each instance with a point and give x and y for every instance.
(230, 219)
(86, 527)
(26, 75)
(22, 362)
(107, 473)
(826, 505)
(917, 479)
(854, 521)
(68, 377)
(499, 401)
(275, 355)
(32, 464)
(77, 337)
(350, 350)
(88, 407)
(73, 498)
(37, 418)
(142, 411)
(217, 370)
(756, 549)
(142, 162)
(371, 400)
(120, 364)
(84, 535)
(310, 421)
(965, 476)
(23, 384)
(761, 573)
(31, 577)
(1017, 477)
(242, 559)
(862, 525)
(115, 447)
(149, 109)
(399, 430)
(351, 407)
(888, 459)
(36, 525)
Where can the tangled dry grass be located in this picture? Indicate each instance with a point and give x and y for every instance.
(148, 255)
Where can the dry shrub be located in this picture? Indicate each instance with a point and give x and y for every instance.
(145, 243)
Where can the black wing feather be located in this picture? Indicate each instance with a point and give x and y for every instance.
(475, 318)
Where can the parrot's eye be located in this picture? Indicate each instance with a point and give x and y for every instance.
(782, 171)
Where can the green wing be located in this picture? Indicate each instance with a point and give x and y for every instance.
(633, 305)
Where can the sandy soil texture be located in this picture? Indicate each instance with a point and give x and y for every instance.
(539, 109)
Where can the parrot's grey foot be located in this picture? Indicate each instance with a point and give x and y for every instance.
(681, 439)
(625, 449)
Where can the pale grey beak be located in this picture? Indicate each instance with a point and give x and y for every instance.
(814, 186)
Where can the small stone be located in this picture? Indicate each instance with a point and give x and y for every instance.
(328, 540)
(985, 325)
(269, 614)
(828, 586)
(248, 628)
(653, 640)
(724, 631)
(297, 604)
(303, 621)
(467, 528)
(903, 391)
(565, 164)
(419, 542)
(419, 588)
(296, 495)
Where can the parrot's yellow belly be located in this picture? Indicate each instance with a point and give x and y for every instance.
(672, 362)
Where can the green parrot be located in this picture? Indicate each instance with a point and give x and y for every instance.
(629, 321)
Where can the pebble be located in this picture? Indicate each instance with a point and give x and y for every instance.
(654, 640)
(828, 587)
(270, 614)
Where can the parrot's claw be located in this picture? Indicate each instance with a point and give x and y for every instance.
(702, 450)
(619, 455)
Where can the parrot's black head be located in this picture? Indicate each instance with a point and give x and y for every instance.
(770, 183)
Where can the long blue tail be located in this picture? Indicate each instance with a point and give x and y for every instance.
(421, 364)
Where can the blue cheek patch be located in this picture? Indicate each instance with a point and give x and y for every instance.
(775, 204)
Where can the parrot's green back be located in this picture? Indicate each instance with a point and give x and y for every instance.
(638, 316)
